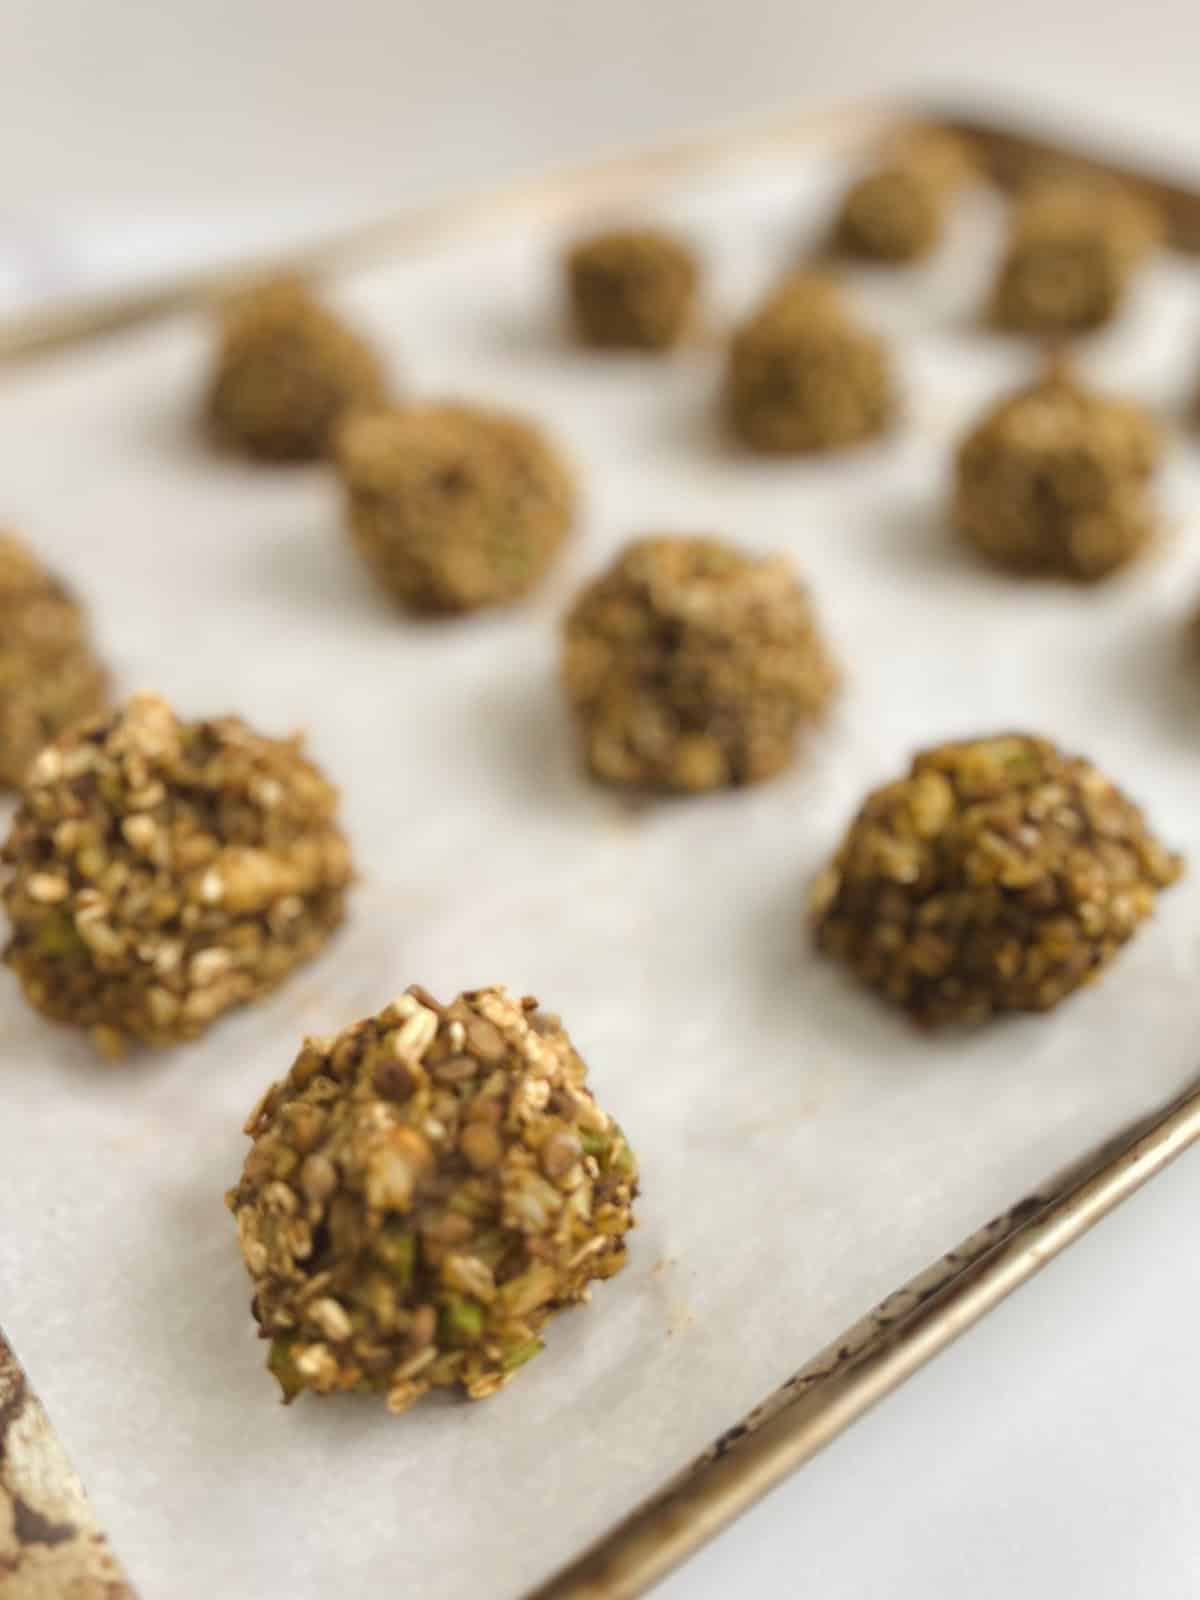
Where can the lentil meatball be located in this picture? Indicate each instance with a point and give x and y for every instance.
(159, 872)
(1074, 247)
(998, 875)
(896, 211)
(423, 1193)
(632, 288)
(804, 376)
(453, 507)
(50, 676)
(690, 665)
(1055, 481)
(287, 372)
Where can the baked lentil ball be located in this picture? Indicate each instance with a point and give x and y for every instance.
(890, 214)
(50, 676)
(159, 872)
(423, 1193)
(1074, 246)
(287, 371)
(690, 665)
(999, 875)
(949, 159)
(804, 375)
(453, 507)
(632, 288)
(896, 212)
(1056, 479)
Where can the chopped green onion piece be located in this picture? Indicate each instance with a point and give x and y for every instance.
(283, 1368)
(462, 1319)
(518, 1354)
(396, 1248)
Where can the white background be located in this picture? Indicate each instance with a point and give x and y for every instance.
(1052, 1453)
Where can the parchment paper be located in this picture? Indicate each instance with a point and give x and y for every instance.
(803, 1149)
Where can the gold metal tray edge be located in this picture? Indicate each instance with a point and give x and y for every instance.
(869, 1360)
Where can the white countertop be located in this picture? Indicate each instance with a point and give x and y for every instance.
(1051, 1452)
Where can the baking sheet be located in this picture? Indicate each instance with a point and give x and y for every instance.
(803, 1150)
